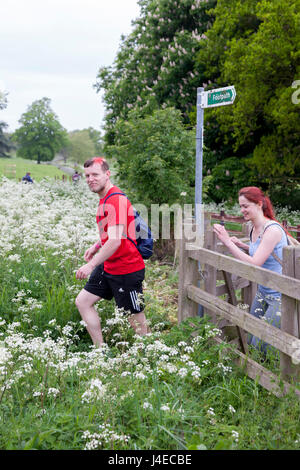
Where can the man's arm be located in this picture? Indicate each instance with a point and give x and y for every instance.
(114, 234)
(88, 255)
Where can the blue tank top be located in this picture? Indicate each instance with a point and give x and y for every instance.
(271, 263)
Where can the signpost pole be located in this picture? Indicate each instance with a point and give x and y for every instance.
(199, 159)
(209, 99)
(199, 172)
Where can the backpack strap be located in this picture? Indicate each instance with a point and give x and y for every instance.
(269, 225)
(264, 229)
(113, 194)
(276, 223)
(273, 253)
(120, 194)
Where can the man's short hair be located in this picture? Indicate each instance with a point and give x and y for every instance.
(100, 160)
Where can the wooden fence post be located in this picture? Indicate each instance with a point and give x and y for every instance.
(222, 215)
(210, 281)
(188, 275)
(242, 335)
(290, 368)
(248, 294)
(297, 276)
(246, 228)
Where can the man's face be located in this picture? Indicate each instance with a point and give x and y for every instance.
(96, 178)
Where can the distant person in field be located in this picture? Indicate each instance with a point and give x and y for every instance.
(115, 266)
(76, 177)
(27, 178)
(267, 239)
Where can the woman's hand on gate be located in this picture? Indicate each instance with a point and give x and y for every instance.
(239, 243)
(221, 233)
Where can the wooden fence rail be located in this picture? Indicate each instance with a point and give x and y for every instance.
(200, 273)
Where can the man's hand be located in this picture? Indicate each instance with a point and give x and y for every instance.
(90, 252)
(109, 248)
(84, 271)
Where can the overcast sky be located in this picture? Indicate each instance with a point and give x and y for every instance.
(54, 49)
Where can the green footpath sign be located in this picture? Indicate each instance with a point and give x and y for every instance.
(218, 97)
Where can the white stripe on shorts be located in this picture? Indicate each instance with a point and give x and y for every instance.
(134, 300)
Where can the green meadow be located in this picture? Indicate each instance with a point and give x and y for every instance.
(16, 168)
(174, 389)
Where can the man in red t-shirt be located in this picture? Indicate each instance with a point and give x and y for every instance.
(118, 269)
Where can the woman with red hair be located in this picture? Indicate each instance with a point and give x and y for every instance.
(267, 239)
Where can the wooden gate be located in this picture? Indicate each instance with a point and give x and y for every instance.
(209, 272)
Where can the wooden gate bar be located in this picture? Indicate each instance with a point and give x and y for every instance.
(233, 300)
(269, 333)
(281, 283)
(256, 371)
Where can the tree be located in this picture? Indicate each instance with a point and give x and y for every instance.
(176, 47)
(254, 46)
(5, 143)
(81, 146)
(3, 100)
(235, 20)
(264, 68)
(40, 135)
(155, 64)
(154, 157)
(97, 138)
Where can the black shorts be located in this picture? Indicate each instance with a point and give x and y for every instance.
(127, 289)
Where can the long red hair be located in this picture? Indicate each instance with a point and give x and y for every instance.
(256, 195)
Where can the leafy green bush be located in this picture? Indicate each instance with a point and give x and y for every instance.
(286, 194)
(155, 157)
(227, 177)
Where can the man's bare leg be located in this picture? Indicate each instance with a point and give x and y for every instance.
(85, 302)
(139, 323)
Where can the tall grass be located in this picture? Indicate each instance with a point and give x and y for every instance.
(172, 389)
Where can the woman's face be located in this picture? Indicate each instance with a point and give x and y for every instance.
(249, 209)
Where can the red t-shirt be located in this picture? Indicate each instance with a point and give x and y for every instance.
(118, 210)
